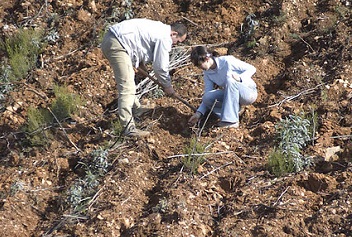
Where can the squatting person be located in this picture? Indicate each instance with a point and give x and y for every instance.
(233, 76)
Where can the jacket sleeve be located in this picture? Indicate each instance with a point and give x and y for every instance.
(243, 69)
(208, 86)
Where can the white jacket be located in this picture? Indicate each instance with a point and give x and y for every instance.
(147, 41)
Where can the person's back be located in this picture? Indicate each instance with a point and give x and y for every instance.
(139, 36)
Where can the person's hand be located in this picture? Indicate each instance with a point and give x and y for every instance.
(195, 118)
(169, 91)
(236, 77)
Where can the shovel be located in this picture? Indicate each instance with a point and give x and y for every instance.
(146, 74)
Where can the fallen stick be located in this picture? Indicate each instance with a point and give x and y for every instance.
(144, 73)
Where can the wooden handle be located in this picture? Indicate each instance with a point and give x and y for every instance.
(144, 73)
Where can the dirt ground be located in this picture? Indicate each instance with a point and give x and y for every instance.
(302, 52)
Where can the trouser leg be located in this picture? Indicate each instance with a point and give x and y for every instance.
(230, 100)
(124, 74)
(209, 99)
(235, 95)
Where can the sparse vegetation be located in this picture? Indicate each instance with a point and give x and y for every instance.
(194, 157)
(83, 189)
(40, 120)
(22, 50)
(280, 19)
(293, 134)
(148, 190)
(66, 103)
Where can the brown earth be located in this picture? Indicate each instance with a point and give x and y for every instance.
(303, 58)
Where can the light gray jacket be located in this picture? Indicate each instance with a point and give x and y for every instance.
(146, 41)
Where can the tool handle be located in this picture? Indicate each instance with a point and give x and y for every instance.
(176, 96)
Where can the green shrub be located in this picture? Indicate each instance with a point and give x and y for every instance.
(280, 163)
(194, 157)
(37, 121)
(65, 103)
(22, 50)
(280, 19)
(117, 128)
(293, 134)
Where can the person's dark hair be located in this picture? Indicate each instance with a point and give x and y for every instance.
(199, 54)
(179, 27)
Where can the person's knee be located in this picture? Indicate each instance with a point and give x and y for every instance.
(208, 98)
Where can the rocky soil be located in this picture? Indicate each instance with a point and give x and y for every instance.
(302, 52)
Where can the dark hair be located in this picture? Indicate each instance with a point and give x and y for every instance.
(200, 53)
(179, 27)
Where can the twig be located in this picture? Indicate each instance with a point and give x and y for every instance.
(342, 136)
(289, 98)
(75, 217)
(57, 226)
(200, 154)
(190, 21)
(281, 195)
(36, 92)
(216, 139)
(206, 120)
(64, 131)
(65, 55)
(306, 43)
(94, 198)
(178, 177)
(210, 172)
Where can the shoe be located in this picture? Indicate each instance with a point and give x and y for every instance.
(135, 132)
(141, 110)
(228, 125)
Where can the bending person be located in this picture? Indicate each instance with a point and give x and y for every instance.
(133, 43)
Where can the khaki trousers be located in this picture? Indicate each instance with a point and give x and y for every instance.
(121, 64)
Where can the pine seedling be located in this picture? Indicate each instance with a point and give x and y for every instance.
(194, 157)
(65, 103)
(22, 51)
(36, 128)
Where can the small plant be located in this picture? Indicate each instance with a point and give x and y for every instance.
(83, 190)
(17, 186)
(5, 83)
(280, 164)
(293, 133)
(248, 30)
(37, 121)
(251, 44)
(156, 93)
(40, 119)
(22, 50)
(194, 157)
(100, 163)
(65, 103)
(117, 128)
(161, 207)
(128, 14)
(280, 19)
